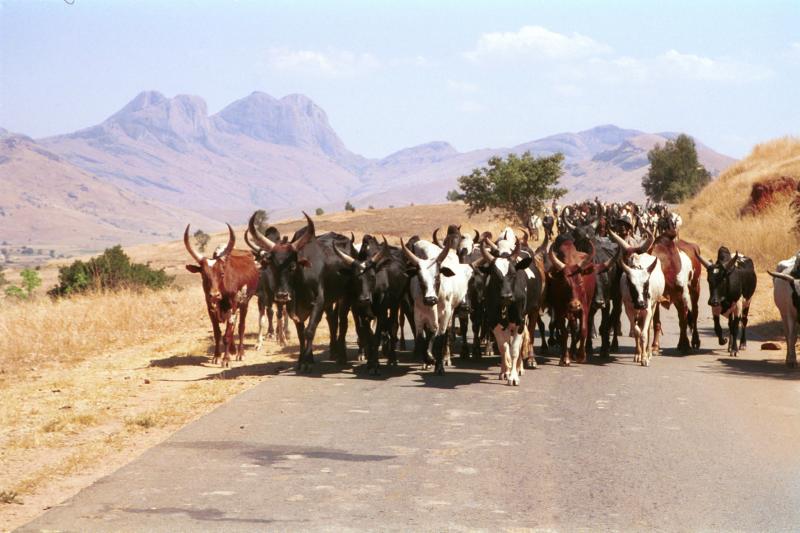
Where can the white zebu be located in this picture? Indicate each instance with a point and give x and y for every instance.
(438, 287)
(786, 292)
(642, 286)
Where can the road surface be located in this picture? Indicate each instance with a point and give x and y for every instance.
(703, 442)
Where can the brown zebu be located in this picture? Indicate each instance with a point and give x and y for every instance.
(230, 279)
(570, 291)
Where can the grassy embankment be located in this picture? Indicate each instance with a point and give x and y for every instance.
(713, 219)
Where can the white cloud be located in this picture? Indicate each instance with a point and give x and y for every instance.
(536, 42)
(328, 63)
(694, 67)
(463, 87)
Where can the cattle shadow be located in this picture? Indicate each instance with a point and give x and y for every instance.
(208, 514)
(452, 379)
(268, 455)
(755, 368)
(179, 360)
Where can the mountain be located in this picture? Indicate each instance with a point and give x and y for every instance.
(283, 155)
(47, 201)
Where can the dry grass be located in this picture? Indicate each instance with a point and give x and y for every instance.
(712, 218)
(67, 331)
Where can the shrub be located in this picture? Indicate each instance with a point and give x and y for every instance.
(110, 271)
(30, 282)
(349, 207)
(319, 211)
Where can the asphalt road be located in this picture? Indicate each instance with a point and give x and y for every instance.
(702, 442)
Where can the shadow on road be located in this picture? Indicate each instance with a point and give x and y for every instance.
(764, 368)
(269, 455)
(452, 379)
(208, 514)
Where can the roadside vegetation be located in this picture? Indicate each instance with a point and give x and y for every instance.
(767, 233)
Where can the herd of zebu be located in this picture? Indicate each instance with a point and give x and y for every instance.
(591, 258)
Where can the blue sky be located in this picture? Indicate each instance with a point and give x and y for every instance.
(396, 74)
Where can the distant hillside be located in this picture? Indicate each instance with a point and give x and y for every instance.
(47, 201)
(278, 154)
(713, 218)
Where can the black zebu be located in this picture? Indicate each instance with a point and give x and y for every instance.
(309, 279)
(508, 307)
(264, 294)
(731, 285)
(377, 292)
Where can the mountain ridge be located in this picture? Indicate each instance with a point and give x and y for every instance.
(283, 154)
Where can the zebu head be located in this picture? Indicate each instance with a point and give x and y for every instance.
(717, 274)
(465, 246)
(638, 279)
(502, 271)
(212, 271)
(282, 259)
(364, 272)
(428, 272)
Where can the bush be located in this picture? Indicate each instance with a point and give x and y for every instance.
(30, 282)
(349, 207)
(319, 212)
(110, 271)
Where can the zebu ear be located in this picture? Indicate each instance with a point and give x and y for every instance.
(303, 262)
(445, 271)
(412, 271)
(523, 263)
(194, 269)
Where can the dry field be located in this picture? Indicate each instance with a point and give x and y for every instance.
(88, 383)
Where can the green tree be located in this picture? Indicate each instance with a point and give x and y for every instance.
(675, 174)
(319, 212)
(515, 187)
(201, 238)
(349, 207)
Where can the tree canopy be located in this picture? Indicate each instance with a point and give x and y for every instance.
(516, 187)
(675, 173)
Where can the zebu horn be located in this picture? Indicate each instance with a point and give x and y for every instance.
(622, 244)
(231, 242)
(705, 262)
(643, 248)
(186, 242)
(443, 255)
(307, 236)
(249, 243)
(260, 239)
(408, 253)
(557, 263)
(436, 238)
(781, 275)
(345, 257)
